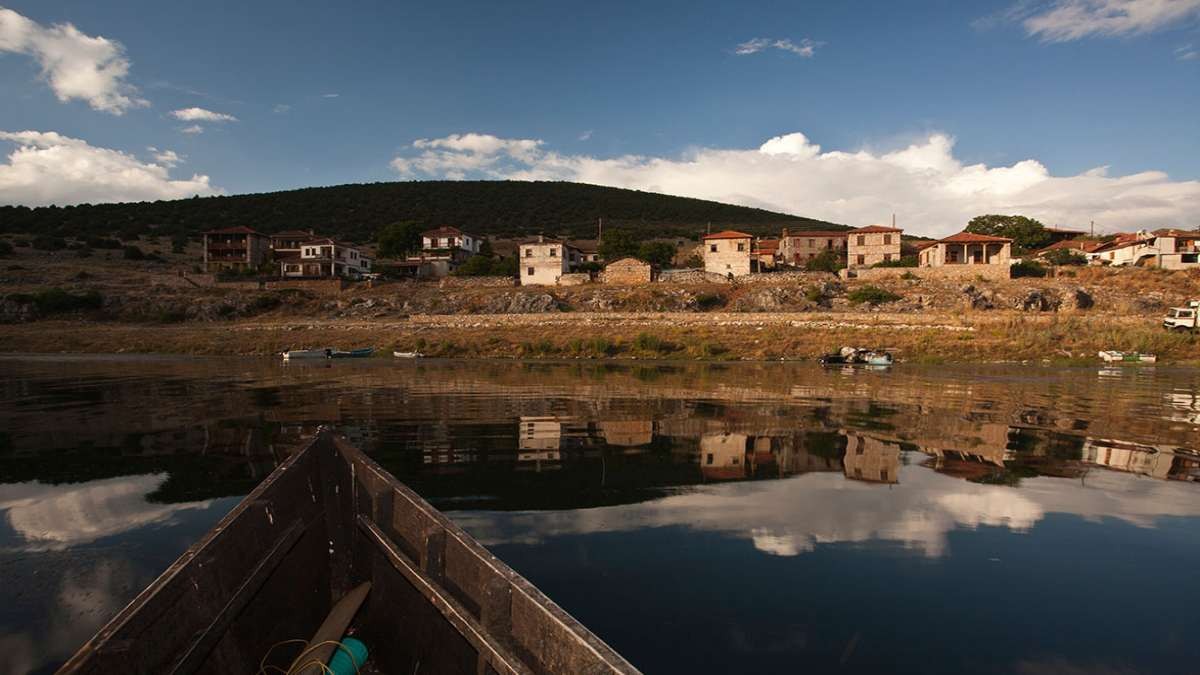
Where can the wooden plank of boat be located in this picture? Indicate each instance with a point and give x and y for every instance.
(326, 521)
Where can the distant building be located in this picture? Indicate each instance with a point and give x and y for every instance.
(871, 459)
(1168, 249)
(723, 456)
(327, 258)
(542, 261)
(1058, 234)
(1077, 246)
(728, 253)
(967, 248)
(285, 246)
(235, 248)
(871, 245)
(442, 250)
(628, 271)
(450, 239)
(797, 248)
(764, 254)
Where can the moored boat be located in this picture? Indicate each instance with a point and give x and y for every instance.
(855, 355)
(306, 354)
(352, 353)
(331, 552)
(407, 355)
(1113, 356)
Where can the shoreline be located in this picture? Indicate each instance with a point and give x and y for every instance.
(966, 337)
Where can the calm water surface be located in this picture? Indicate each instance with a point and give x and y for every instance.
(742, 518)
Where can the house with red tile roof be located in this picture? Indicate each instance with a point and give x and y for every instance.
(797, 247)
(728, 253)
(1166, 248)
(967, 248)
(871, 245)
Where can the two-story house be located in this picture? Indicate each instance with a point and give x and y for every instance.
(450, 239)
(798, 247)
(727, 253)
(871, 245)
(327, 258)
(235, 248)
(543, 260)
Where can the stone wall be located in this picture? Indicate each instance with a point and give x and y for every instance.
(628, 272)
(575, 279)
(785, 278)
(691, 276)
(319, 286)
(945, 272)
(476, 282)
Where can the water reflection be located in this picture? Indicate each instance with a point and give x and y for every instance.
(109, 468)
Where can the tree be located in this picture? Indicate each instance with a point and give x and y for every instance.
(485, 248)
(657, 253)
(825, 261)
(1027, 234)
(399, 239)
(1062, 256)
(617, 244)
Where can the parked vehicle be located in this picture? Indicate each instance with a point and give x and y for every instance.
(330, 553)
(1182, 318)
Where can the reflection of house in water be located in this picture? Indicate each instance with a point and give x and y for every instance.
(723, 456)
(1147, 460)
(627, 433)
(539, 439)
(973, 456)
(871, 459)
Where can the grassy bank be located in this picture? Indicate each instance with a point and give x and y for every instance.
(992, 336)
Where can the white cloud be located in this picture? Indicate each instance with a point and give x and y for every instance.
(281, 108)
(193, 129)
(931, 191)
(201, 115)
(1067, 20)
(330, 95)
(1187, 52)
(75, 65)
(167, 158)
(805, 47)
(49, 168)
(585, 136)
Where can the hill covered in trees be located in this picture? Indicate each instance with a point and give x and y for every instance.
(357, 212)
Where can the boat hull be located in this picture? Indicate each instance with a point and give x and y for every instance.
(327, 520)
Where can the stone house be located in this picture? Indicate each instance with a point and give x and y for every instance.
(728, 253)
(967, 248)
(797, 248)
(871, 245)
(327, 258)
(542, 261)
(628, 271)
(235, 248)
(764, 254)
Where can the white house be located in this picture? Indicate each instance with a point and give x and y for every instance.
(727, 253)
(450, 239)
(542, 261)
(1169, 249)
(327, 258)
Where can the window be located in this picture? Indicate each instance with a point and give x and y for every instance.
(887, 257)
(861, 240)
(712, 247)
(741, 246)
(883, 475)
(553, 252)
(861, 259)
(529, 272)
(812, 242)
(528, 253)
(887, 238)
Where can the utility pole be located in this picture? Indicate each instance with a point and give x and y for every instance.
(600, 229)
(1093, 228)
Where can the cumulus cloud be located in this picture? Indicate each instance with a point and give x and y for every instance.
(167, 158)
(931, 190)
(1067, 20)
(49, 168)
(201, 115)
(75, 65)
(805, 47)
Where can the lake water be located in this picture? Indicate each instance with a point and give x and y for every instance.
(742, 518)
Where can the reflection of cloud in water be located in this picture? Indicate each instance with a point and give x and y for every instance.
(61, 516)
(790, 517)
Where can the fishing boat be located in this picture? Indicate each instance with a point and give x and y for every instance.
(331, 557)
(352, 353)
(306, 354)
(855, 355)
(408, 355)
(1113, 356)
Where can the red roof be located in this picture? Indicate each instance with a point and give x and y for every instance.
(292, 234)
(237, 229)
(825, 234)
(767, 245)
(872, 229)
(921, 246)
(445, 231)
(972, 238)
(728, 234)
(1087, 246)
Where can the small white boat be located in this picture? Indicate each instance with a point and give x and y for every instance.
(307, 354)
(407, 355)
(1113, 356)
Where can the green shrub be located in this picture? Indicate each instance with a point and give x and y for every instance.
(133, 253)
(903, 261)
(872, 295)
(1062, 256)
(101, 243)
(712, 349)
(58, 301)
(710, 300)
(84, 252)
(1028, 268)
(44, 242)
(909, 276)
(602, 346)
(814, 293)
(825, 261)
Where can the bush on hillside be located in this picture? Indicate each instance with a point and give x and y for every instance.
(871, 295)
(1028, 268)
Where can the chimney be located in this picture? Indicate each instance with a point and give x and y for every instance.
(541, 238)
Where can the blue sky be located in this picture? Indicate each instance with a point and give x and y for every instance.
(325, 93)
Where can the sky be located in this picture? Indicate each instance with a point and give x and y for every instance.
(1070, 111)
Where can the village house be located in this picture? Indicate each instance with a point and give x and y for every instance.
(797, 248)
(764, 254)
(443, 249)
(628, 271)
(967, 248)
(871, 245)
(1168, 249)
(285, 246)
(1077, 246)
(871, 459)
(235, 248)
(727, 253)
(450, 239)
(327, 258)
(542, 261)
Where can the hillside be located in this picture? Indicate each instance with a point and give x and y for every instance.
(355, 212)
